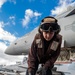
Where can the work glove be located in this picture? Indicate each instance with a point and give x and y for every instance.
(30, 72)
(44, 71)
(39, 71)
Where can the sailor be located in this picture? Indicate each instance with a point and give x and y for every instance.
(45, 47)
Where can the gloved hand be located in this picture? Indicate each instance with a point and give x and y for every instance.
(39, 70)
(31, 73)
(44, 71)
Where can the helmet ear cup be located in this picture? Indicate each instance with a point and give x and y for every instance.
(58, 29)
(40, 30)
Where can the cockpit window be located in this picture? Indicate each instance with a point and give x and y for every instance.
(71, 13)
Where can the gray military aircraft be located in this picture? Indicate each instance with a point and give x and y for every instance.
(66, 20)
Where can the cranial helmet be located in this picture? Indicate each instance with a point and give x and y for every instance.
(49, 24)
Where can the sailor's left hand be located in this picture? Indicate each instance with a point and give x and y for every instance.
(44, 71)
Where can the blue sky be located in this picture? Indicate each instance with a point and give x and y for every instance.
(18, 12)
(18, 17)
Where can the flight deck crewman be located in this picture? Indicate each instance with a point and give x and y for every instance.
(45, 47)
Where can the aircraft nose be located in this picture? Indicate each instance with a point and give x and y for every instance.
(9, 50)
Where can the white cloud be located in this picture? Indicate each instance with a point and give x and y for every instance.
(8, 60)
(2, 46)
(4, 35)
(29, 14)
(3, 61)
(36, 14)
(62, 6)
(12, 19)
(14, 1)
(2, 2)
(1, 24)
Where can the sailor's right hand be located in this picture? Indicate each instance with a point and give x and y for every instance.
(39, 70)
(31, 73)
(44, 71)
